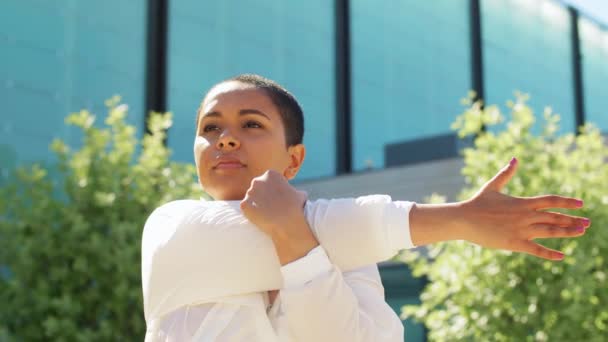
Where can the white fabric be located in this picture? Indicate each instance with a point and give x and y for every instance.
(195, 253)
(299, 272)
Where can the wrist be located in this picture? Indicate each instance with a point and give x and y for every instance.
(431, 223)
(461, 223)
(294, 241)
(289, 250)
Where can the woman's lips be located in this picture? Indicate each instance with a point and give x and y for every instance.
(229, 165)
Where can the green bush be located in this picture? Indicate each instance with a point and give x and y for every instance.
(70, 243)
(486, 295)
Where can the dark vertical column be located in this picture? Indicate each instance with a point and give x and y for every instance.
(476, 48)
(577, 69)
(343, 88)
(156, 58)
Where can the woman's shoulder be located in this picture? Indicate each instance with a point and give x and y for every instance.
(178, 210)
(179, 206)
(169, 216)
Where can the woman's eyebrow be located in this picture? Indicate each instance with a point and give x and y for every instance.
(241, 112)
(253, 111)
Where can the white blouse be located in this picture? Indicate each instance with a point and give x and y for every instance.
(206, 271)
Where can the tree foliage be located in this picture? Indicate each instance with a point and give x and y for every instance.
(70, 242)
(479, 294)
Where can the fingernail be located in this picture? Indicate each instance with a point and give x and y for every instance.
(586, 222)
(559, 255)
(580, 229)
(579, 203)
(513, 161)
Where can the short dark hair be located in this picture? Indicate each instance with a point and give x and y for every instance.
(287, 105)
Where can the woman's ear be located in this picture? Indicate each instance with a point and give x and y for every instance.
(296, 158)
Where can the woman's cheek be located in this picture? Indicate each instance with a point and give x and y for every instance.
(200, 146)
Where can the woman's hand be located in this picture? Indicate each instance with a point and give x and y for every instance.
(499, 221)
(495, 220)
(276, 208)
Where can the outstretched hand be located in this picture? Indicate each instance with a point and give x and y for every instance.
(496, 220)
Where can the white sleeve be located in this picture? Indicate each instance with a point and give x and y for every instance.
(197, 252)
(360, 231)
(243, 319)
(329, 305)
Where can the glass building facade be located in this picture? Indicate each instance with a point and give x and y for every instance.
(408, 65)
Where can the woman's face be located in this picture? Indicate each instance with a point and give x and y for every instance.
(240, 135)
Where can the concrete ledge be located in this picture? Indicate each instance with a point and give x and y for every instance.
(410, 182)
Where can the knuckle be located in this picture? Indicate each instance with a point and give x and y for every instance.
(561, 202)
(559, 219)
(529, 217)
(532, 203)
(539, 251)
(553, 231)
(576, 232)
(563, 232)
(548, 201)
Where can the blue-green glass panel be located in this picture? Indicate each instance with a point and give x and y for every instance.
(527, 48)
(410, 68)
(594, 51)
(291, 42)
(63, 56)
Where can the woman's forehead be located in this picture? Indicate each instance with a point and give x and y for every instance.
(235, 93)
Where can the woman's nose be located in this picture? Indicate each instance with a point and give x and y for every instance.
(227, 141)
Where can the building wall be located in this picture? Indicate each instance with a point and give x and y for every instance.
(60, 57)
(410, 182)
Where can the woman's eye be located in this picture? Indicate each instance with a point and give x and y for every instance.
(252, 124)
(209, 128)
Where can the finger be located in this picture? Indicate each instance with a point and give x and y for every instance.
(248, 202)
(553, 201)
(244, 204)
(537, 250)
(562, 220)
(546, 231)
(498, 182)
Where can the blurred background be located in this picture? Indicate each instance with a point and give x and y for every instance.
(380, 82)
